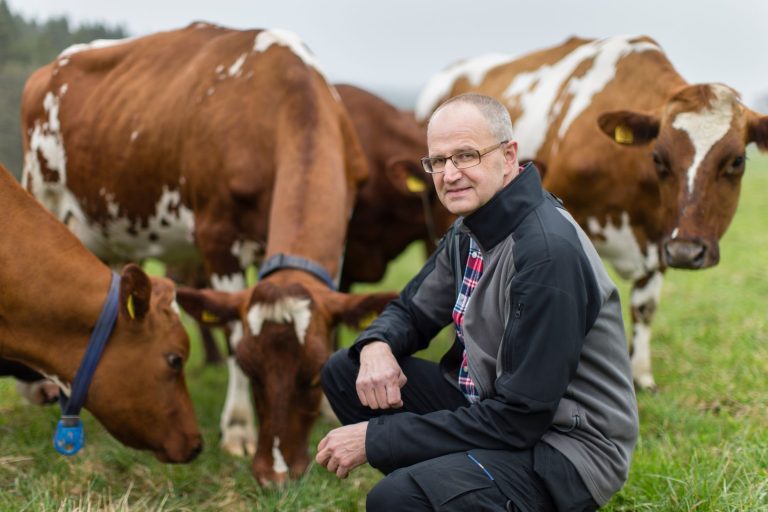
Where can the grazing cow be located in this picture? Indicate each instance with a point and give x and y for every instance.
(51, 294)
(397, 204)
(215, 144)
(660, 190)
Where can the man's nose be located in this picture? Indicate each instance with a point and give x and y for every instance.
(451, 172)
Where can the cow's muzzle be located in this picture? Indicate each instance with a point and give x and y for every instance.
(690, 253)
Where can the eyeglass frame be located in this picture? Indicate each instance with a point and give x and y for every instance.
(427, 161)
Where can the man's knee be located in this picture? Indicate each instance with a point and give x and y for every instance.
(397, 491)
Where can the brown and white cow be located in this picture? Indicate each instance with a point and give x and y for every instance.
(51, 293)
(660, 190)
(205, 143)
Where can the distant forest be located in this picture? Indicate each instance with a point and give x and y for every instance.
(25, 45)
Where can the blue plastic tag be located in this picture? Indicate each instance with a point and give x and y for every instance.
(69, 439)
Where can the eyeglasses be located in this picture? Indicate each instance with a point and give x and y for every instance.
(461, 160)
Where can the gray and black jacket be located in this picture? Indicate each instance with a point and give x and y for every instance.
(544, 337)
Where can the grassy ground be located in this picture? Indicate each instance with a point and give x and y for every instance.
(704, 435)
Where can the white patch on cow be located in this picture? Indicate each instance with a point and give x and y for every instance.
(707, 127)
(542, 93)
(282, 37)
(279, 465)
(93, 45)
(439, 86)
(641, 356)
(220, 69)
(63, 61)
(287, 310)
(210, 91)
(201, 24)
(237, 66)
(175, 306)
(230, 283)
(238, 431)
(675, 232)
(247, 252)
(166, 234)
(619, 246)
(134, 135)
(648, 294)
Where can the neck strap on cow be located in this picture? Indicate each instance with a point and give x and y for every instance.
(69, 436)
(280, 261)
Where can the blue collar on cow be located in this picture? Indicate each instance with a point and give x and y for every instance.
(280, 261)
(69, 436)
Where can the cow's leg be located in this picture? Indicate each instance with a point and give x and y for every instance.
(644, 300)
(238, 432)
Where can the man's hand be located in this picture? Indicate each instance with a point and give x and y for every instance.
(343, 449)
(380, 378)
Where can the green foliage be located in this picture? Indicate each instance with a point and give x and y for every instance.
(26, 45)
(704, 434)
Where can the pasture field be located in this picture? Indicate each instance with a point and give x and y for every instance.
(704, 434)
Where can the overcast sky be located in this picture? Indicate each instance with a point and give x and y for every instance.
(394, 46)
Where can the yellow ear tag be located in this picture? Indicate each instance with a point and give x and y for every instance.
(209, 317)
(367, 320)
(623, 134)
(415, 184)
(131, 309)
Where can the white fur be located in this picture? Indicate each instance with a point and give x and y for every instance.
(641, 356)
(93, 45)
(620, 247)
(282, 37)
(650, 293)
(287, 310)
(279, 465)
(541, 94)
(439, 85)
(707, 127)
(237, 66)
(230, 283)
(247, 252)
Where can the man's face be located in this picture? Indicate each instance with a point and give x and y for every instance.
(459, 127)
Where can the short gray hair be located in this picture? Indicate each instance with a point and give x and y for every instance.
(491, 109)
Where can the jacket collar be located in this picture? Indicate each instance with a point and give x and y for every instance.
(499, 217)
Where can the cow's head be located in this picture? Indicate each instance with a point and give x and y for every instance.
(698, 141)
(287, 337)
(138, 391)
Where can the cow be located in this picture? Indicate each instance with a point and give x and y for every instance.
(51, 294)
(648, 164)
(216, 145)
(397, 205)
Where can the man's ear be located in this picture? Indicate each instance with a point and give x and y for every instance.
(629, 128)
(357, 309)
(135, 292)
(211, 307)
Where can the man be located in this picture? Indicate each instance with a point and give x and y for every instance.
(533, 407)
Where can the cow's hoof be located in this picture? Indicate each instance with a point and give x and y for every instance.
(238, 441)
(645, 383)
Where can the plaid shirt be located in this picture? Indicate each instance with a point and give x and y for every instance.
(472, 275)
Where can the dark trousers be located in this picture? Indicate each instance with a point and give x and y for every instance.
(456, 481)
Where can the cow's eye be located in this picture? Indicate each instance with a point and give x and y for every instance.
(662, 166)
(737, 165)
(175, 361)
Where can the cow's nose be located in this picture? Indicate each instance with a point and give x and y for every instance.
(685, 253)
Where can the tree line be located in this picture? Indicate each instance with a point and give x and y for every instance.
(25, 45)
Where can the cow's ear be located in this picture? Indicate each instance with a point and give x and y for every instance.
(210, 307)
(357, 309)
(135, 292)
(758, 131)
(407, 176)
(629, 128)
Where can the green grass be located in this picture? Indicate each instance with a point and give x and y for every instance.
(704, 435)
